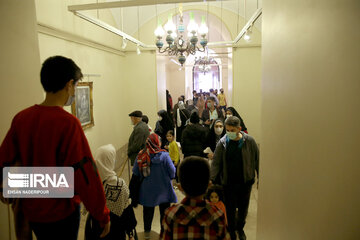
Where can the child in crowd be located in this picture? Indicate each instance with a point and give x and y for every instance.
(173, 150)
(194, 218)
(122, 215)
(215, 196)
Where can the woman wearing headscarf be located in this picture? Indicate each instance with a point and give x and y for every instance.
(163, 125)
(230, 111)
(117, 199)
(156, 169)
(217, 131)
(181, 115)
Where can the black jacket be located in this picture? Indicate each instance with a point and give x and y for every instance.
(193, 141)
(250, 158)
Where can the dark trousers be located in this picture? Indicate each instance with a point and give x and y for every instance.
(67, 228)
(237, 196)
(148, 215)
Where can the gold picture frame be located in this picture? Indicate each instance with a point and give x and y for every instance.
(82, 107)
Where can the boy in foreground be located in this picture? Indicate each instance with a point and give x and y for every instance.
(194, 218)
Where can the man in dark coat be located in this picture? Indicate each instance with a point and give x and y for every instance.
(235, 162)
(193, 139)
(138, 136)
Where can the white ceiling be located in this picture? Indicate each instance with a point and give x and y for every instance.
(146, 13)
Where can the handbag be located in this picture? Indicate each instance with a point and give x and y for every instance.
(134, 186)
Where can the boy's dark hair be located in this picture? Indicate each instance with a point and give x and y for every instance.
(56, 71)
(211, 98)
(233, 121)
(171, 132)
(215, 188)
(194, 175)
(145, 119)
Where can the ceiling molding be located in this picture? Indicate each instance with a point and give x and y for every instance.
(54, 32)
(123, 4)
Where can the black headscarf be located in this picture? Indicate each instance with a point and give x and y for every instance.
(211, 141)
(236, 114)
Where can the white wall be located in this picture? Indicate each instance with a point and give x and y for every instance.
(246, 96)
(20, 66)
(309, 162)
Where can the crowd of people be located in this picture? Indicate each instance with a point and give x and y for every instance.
(220, 164)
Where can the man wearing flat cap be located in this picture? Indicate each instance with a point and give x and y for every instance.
(138, 136)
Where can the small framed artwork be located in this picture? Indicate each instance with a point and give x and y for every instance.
(82, 107)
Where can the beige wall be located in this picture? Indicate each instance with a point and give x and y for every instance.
(20, 65)
(310, 121)
(175, 81)
(246, 95)
(141, 85)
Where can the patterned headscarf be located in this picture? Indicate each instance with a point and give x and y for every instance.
(152, 146)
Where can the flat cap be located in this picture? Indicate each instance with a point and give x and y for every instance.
(136, 113)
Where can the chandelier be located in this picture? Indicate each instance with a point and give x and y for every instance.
(204, 64)
(179, 46)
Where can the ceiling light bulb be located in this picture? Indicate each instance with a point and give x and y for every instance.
(124, 43)
(192, 27)
(174, 35)
(247, 36)
(138, 50)
(159, 31)
(203, 29)
(170, 26)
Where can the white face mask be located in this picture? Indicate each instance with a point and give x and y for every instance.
(228, 115)
(219, 130)
(70, 100)
(160, 118)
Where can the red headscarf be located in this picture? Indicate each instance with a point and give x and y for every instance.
(152, 146)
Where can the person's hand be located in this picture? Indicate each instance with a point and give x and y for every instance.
(210, 155)
(166, 146)
(106, 230)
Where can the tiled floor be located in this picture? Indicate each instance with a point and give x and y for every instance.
(250, 227)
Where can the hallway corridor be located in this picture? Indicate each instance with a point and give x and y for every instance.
(250, 227)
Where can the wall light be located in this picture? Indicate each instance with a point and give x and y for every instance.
(124, 43)
(247, 36)
(138, 50)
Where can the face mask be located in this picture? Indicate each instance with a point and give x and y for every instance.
(228, 115)
(231, 135)
(219, 131)
(160, 118)
(209, 105)
(70, 100)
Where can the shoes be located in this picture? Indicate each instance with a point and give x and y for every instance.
(146, 235)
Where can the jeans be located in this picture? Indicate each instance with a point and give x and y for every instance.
(67, 228)
(148, 215)
(237, 196)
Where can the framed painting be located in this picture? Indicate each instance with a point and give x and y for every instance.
(82, 107)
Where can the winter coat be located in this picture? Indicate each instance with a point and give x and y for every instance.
(250, 158)
(157, 187)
